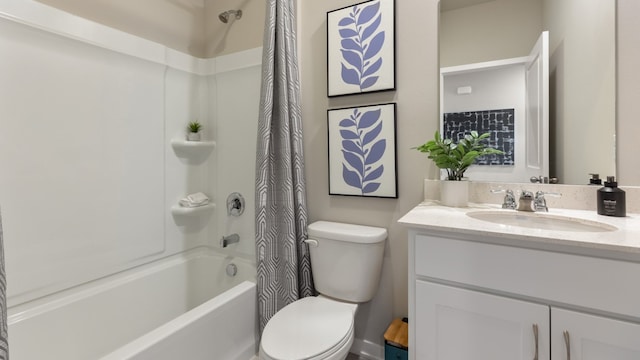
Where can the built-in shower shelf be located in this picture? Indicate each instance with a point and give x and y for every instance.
(192, 148)
(188, 211)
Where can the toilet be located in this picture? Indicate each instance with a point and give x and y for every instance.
(346, 261)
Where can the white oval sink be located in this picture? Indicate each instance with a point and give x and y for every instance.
(541, 221)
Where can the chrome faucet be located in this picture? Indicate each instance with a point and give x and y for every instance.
(509, 201)
(526, 201)
(540, 203)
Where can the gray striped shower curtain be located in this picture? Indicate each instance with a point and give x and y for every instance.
(4, 341)
(283, 264)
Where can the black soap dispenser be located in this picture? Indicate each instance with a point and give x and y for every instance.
(611, 199)
(595, 179)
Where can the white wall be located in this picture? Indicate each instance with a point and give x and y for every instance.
(82, 134)
(234, 36)
(186, 99)
(88, 171)
(178, 24)
(492, 89)
(582, 82)
(189, 26)
(628, 92)
(477, 33)
(237, 83)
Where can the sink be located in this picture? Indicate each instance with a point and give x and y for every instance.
(541, 221)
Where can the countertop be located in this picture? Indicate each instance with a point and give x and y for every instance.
(621, 243)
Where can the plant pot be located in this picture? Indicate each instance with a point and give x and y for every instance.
(454, 193)
(193, 136)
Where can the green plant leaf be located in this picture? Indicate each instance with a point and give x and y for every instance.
(194, 126)
(456, 158)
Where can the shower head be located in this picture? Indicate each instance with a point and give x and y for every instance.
(224, 16)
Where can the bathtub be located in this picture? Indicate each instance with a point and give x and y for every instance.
(181, 307)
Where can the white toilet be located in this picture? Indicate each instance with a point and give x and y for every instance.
(346, 261)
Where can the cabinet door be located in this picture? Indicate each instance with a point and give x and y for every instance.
(593, 337)
(459, 324)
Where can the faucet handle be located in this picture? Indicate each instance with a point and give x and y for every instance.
(509, 201)
(547, 193)
(540, 203)
(498, 191)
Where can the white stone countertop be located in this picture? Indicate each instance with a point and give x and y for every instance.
(430, 215)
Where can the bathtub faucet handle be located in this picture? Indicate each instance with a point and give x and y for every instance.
(235, 204)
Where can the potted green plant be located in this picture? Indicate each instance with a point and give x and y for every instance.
(456, 158)
(193, 133)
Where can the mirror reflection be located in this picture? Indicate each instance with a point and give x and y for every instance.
(486, 38)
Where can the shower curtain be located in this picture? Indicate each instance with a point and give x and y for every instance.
(283, 264)
(4, 341)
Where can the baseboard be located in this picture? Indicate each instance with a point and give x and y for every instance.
(367, 349)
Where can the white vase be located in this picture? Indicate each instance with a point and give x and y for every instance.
(454, 193)
(191, 136)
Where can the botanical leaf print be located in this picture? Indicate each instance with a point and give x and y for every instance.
(362, 150)
(361, 44)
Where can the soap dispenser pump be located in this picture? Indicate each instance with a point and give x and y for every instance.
(595, 179)
(611, 199)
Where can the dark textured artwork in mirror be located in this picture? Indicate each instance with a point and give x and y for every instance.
(499, 123)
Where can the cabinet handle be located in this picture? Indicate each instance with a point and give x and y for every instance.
(535, 337)
(567, 343)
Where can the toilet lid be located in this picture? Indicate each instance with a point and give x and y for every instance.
(306, 328)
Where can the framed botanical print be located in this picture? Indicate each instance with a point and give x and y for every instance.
(361, 48)
(362, 151)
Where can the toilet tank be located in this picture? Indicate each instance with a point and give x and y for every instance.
(346, 259)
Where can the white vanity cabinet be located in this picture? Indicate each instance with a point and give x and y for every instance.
(454, 323)
(479, 297)
(593, 337)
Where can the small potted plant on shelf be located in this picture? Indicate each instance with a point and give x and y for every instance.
(456, 158)
(193, 133)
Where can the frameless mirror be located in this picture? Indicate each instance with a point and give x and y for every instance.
(581, 100)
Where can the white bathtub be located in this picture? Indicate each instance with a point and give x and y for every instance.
(182, 307)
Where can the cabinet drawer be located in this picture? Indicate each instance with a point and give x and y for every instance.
(596, 283)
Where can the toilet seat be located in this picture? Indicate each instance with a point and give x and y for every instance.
(308, 329)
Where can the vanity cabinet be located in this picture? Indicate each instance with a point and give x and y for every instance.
(479, 297)
(593, 337)
(455, 323)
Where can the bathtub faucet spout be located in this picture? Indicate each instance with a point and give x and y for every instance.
(230, 239)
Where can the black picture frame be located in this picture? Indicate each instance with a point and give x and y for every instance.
(361, 48)
(362, 152)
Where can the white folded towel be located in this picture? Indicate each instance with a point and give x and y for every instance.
(194, 200)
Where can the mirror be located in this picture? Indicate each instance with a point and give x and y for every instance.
(581, 132)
